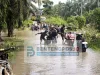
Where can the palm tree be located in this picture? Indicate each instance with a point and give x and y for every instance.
(47, 4)
(14, 12)
(3, 6)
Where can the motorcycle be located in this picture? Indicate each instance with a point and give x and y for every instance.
(4, 64)
(84, 46)
(5, 68)
(81, 42)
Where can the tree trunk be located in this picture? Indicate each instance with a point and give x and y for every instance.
(10, 29)
(0, 36)
(19, 10)
(0, 32)
(19, 23)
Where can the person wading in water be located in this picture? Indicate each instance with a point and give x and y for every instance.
(62, 33)
(42, 36)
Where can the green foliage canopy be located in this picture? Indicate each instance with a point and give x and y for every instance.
(72, 22)
(56, 20)
(81, 21)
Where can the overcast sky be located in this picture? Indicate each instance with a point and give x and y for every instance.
(57, 1)
(54, 1)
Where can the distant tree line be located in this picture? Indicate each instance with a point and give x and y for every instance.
(76, 13)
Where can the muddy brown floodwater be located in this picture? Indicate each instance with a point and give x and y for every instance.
(87, 63)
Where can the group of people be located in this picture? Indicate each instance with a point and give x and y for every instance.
(51, 32)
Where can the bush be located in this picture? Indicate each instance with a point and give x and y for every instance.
(27, 22)
(96, 18)
(95, 45)
(88, 17)
(98, 35)
(3, 26)
(93, 17)
(33, 18)
(72, 22)
(81, 21)
(90, 33)
(56, 20)
(92, 37)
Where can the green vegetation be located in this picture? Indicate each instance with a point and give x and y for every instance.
(72, 22)
(81, 21)
(12, 42)
(14, 12)
(80, 15)
(95, 44)
(83, 15)
(56, 20)
(27, 22)
(47, 4)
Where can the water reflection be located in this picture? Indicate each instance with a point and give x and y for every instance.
(85, 64)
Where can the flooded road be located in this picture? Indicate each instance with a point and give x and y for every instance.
(85, 64)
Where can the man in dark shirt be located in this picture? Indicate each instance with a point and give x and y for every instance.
(79, 37)
(79, 41)
(62, 32)
(54, 35)
(42, 36)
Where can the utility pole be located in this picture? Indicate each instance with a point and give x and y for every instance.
(39, 4)
(39, 11)
(81, 8)
(98, 3)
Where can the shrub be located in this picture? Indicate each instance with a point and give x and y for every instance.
(88, 16)
(93, 17)
(55, 20)
(96, 18)
(72, 22)
(90, 33)
(27, 22)
(33, 18)
(81, 21)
